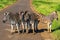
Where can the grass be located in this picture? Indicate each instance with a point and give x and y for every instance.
(46, 7)
(4, 3)
(56, 37)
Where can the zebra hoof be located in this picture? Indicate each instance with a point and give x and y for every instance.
(19, 33)
(26, 32)
(34, 33)
(23, 32)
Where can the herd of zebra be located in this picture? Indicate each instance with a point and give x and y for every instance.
(28, 20)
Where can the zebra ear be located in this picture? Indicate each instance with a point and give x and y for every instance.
(4, 13)
(21, 12)
(26, 11)
(7, 13)
(55, 11)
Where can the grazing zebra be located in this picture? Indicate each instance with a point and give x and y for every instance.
(49, 19)
(13, 19)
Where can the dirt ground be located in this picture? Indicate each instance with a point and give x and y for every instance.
(5, 28)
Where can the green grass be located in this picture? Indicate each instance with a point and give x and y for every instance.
(46, 7)
(4, 3)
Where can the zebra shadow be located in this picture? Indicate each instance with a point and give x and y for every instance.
(41, 30)
(58, 28)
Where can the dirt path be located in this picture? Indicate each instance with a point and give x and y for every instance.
(5, 34)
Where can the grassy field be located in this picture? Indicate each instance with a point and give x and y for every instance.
(46, 7)
(4, 3)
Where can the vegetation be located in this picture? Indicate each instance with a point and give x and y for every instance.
(4, 3)
(46, 7)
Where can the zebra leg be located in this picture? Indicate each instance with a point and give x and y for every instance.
(23, 26)
(12, 29)
(33, 27)
(50, 28)
(26, 27)
(18, 29)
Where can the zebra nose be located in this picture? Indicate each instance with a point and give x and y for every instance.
(3, 21)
